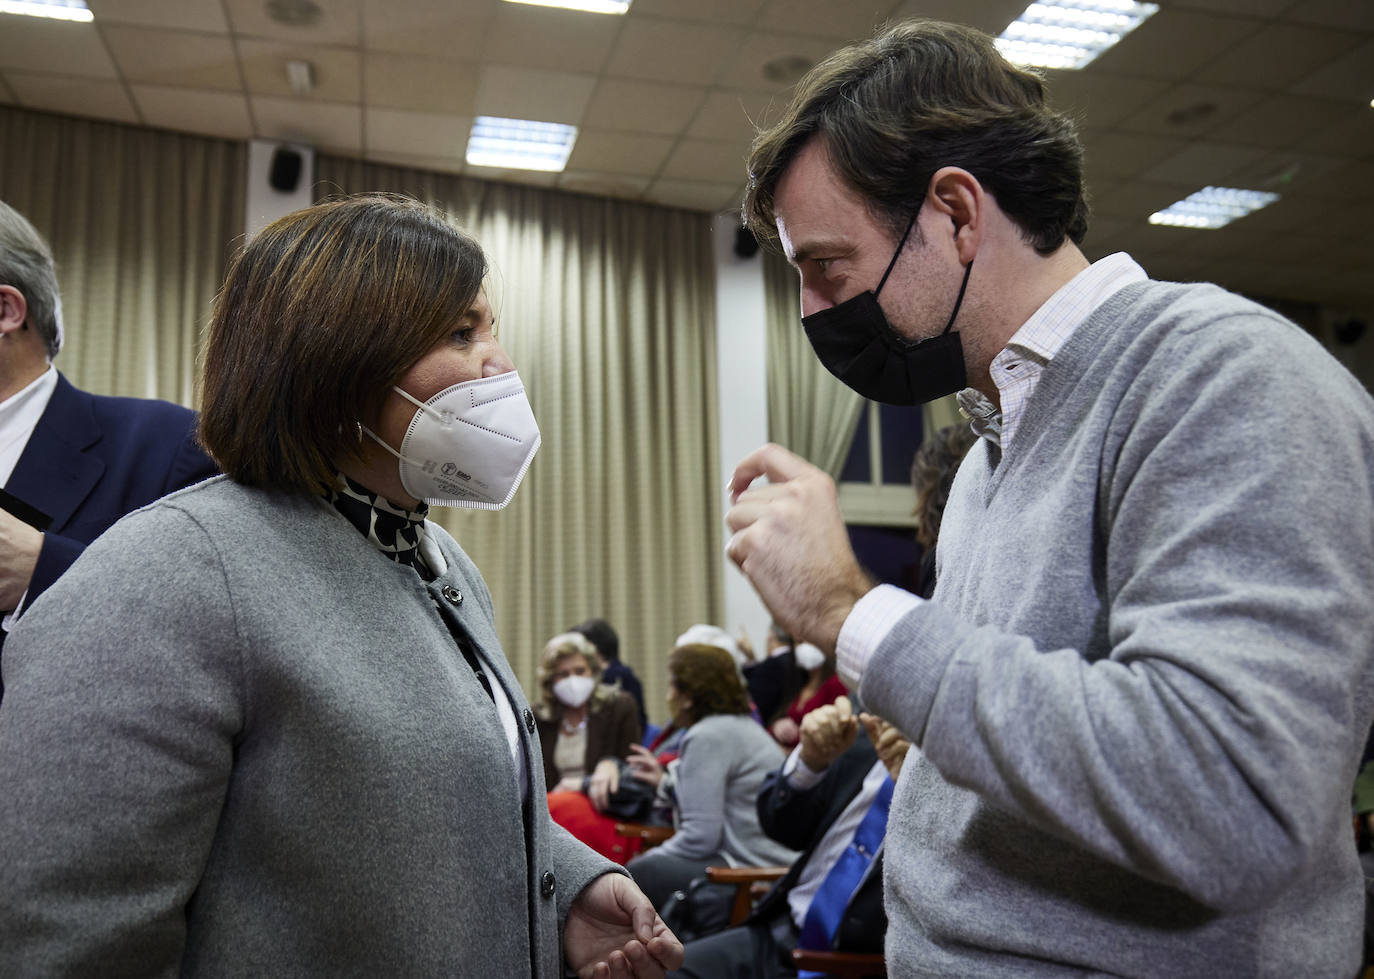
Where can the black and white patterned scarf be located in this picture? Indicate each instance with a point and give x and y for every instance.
(393, 531)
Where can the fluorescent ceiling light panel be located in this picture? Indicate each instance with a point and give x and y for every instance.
(518, 144)
(1213, 207)
(590, 6)
(52, 9)
(1070, 33)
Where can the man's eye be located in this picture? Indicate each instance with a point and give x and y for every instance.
(823, 263)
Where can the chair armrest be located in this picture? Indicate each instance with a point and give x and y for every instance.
(846, 965)
(744, 875)
(651, 835)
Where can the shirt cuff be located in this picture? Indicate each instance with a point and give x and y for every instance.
(798, 774)
(868, 624)
(7, 623)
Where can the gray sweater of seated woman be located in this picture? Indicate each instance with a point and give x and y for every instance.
(719, 771)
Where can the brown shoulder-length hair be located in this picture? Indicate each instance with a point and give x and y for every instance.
(320, 314)
(919, 96)
(709, 676)
(932, 474)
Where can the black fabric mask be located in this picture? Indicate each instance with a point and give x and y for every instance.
(855, 343)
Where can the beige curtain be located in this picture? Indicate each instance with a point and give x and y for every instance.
(809, 410)
(141, 223)
(607, 309)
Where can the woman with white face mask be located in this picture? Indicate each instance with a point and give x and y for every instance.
(265, 724)
(584, 726)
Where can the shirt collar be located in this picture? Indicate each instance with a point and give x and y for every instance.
(1049, 327)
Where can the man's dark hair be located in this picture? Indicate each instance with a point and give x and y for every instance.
(919, 96)
(602, 636)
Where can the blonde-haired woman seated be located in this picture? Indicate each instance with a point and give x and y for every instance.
(585, 727)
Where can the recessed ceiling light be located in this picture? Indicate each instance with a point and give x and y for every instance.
(1070, 33)
(1213, 207)
(589, 6)
(518, 144)
(53, 9)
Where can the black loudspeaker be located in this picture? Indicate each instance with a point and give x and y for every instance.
(285, 174)
(746, 245)
(1350, 331)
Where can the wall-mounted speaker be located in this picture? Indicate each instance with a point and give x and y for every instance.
(285, 173)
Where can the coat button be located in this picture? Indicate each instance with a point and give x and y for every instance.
(453, 595)
(529, 720)
(546, 884)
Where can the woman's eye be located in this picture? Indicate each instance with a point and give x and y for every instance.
(465, 336)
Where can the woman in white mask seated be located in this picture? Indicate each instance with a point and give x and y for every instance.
(265, 726)
(586, 727)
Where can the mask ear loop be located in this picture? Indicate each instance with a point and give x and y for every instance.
(895, 255)
(440, 416)
(960, 301)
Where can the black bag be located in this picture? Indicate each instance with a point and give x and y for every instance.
(633, 801)
(701, 909)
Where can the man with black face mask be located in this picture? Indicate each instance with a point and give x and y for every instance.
(1142, 686)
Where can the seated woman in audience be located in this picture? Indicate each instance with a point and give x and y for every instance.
(713, 784)
(820, 687)
(264, 725)
(586, 728)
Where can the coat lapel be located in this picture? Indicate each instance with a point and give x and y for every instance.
(57, 470)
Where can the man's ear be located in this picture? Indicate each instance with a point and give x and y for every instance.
(14, 310)
(957, 194)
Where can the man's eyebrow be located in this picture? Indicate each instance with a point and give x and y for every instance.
(813, 248)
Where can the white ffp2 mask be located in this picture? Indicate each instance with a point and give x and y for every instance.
(469, 445)
(573, 691)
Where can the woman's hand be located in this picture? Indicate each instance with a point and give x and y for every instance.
(644, 766)
(604, 780)
(785, 732)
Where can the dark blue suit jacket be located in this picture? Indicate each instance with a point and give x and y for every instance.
(92, 459)
(800, 820)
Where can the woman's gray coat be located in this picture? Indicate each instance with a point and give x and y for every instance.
(237, 740)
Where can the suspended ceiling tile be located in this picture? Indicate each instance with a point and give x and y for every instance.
(619, 153)
(1353, 135)
(531, 178)
(1114, 154)
(417, 133)
(223, 114)
(53, 46)
(648, 107)
(707, 162)
(324, 125)
(851, 21)
(425, 84)
(6, 95)
(745, 68)
(524, 93)
(1139, 199)
(340, 22)
(183, 15)
(1344, 181)
(617, 185)
(440, 28)
(1203, 164)
(1098, 99)
(1347, 78)
(1287, 172)
(1179, 111)
(1277, 55)
(671, 51)
(72, 96)
(552, 39)
(1175, 43)
(1285, 215)
(693, 195)
(731, 114)
(1355, 15)
(739, 12)
(991, 16)
(1253, 8)
(1283, 120)
(337, 72)
(178, 58)
(440, 164)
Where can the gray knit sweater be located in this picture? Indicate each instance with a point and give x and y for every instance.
(1143, 685)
